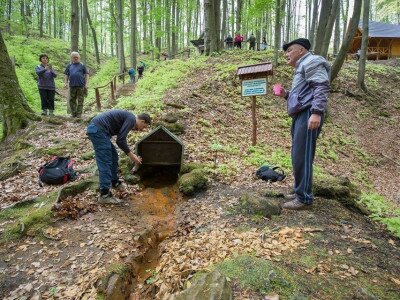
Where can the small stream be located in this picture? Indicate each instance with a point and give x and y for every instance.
(156, 202)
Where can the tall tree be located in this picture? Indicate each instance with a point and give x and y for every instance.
(353, 25)
(345, 15)
(84, 32)
(14, 109)
(329, 27)
(158, 17)
(326, 6)
(120, 35)
(239, 7)
(133, 34)
(278, 24)
(94, 35)
(74, 25)
(336, 40)
(314, 22)
(364, 47)
(41, 18)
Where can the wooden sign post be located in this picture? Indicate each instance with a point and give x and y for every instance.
(254, 83)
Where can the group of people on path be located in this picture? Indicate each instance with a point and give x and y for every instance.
(76, 79)
(236, 42)
(306, 104)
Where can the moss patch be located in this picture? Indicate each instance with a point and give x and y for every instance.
(259, 274)
(193, 182)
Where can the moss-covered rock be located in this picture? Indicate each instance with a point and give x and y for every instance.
(11, 167)
(340, 189)
(172, 117)
(190, 166)
(176, 128)
(64, 148)
(211, 286)
(255, 204)
(193, 182)
(126, 166)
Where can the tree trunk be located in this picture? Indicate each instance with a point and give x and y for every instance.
(277, 31)
(14, 109)
(133, 34)
(239, 15)
(336, 40)
(345, 16)
(288, 19)
(74, 25)
(158, 27)
(112, 27)
(207, 29)
(364, 47)
(120, 36)
(9, 6)
(54, 20)
(224, 22)
(41, 19)
(314, 21)
(173, 33)
(168, 25)
(329, 28)
(326, 6)
(353, 25)
(84, 32)
(96, 44)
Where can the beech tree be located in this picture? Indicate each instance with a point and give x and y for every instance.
(15, 111)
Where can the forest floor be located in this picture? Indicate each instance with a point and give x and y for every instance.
(328, 252)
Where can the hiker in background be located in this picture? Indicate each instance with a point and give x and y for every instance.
(132, 74)
(238, 40)
(252, 41)
(141, 68)
(77, 75)
(105, 125)
(264, 44)
(358, 54)
(229, 42)
(311, 82)
(46, 84)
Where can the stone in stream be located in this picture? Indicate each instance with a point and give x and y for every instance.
(211, 286)
(192, 182)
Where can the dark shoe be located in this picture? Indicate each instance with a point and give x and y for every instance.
(108, 199)
(296, 205)
(44, 112)
(118, 185)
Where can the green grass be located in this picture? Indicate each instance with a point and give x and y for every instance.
(259, 274)
(382, 210)
(261, 154)
(156, 81)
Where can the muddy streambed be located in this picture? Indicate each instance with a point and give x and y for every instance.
(156, 204)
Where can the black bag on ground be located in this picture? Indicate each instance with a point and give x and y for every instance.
(268, 173)
(57, 171)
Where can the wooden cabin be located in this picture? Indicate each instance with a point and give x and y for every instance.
(383, 40)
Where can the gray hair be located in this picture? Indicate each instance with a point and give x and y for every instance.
(74, 53)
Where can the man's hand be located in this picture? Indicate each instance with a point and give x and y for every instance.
(281, 92)
(135, 158)
(314, 121)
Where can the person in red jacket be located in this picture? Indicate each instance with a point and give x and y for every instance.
(238, 40)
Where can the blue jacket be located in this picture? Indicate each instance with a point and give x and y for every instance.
(310, 86)
(45, 78)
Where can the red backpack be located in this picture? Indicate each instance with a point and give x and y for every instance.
(57, 171)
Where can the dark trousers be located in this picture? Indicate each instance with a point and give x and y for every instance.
(252, 46)
(47, 99)
(238, 45)
(304, 142)
(106, 156)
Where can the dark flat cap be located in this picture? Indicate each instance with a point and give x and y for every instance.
(302, 42)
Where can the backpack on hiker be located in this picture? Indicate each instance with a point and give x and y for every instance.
(268, 173)
(57, 171)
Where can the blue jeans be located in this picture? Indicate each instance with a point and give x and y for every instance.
(106, 156)
(304, 142)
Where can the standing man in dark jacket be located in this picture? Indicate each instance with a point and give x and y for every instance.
(77, 75)
(252, 42)
(46, 85)
(105, 125)
(307, 101)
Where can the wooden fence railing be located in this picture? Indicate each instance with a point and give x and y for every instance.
(113, 88)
